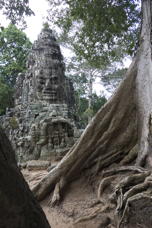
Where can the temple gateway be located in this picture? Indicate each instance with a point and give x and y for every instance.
(42, 126)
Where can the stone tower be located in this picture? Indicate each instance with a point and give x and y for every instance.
(43, 118)
(45, 81)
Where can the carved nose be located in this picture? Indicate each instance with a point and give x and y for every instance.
(48, 83)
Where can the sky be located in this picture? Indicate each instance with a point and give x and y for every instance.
(34, 23)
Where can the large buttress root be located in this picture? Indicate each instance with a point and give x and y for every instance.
(108, 138)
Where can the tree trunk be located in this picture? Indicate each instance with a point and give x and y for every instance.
(18, 207)
(125, 120)
(144, 88)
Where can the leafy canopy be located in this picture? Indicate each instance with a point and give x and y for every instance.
(15, 10)
(99, 31)
(83, 85)
(83, 112)
(6, 97)
(14, 48)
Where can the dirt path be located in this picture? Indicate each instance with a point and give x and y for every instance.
(78, 202)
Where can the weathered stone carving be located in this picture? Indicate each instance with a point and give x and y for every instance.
(44, 104)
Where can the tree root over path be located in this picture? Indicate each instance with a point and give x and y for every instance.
(133, 187)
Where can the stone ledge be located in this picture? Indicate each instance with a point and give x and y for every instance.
(38, 165)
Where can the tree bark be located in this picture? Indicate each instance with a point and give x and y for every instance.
(144, 88)
(18, 207)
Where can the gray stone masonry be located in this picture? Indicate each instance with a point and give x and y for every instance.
(41, 126)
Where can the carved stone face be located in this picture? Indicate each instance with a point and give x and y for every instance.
(50, 90)
(49, 87)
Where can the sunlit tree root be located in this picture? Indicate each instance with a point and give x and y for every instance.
(122, 169)
(129, 189)
(93, 215)
(88, 217)
(130, 157)
(103, 184)
(55, 199)
(119, 196)
(135, 184)
(122, 220)
(130, 186)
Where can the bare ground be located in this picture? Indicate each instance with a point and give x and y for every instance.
(80, 201)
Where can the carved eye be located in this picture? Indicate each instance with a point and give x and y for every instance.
(41, 80)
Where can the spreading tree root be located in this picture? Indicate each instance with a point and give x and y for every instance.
(122, 169)
(136, 182)
(93, 214)
(134, 185)
(88, 217)
(130, 157)
(55, 199)
(103, 184)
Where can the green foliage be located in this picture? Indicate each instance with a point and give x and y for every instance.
(6, 97)
(15, 10)
(80, 82)
(112, 78)
(83, 77)
(14, 48)
(97, 102)
(99, 31)
(88, 114)
(84, 112)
